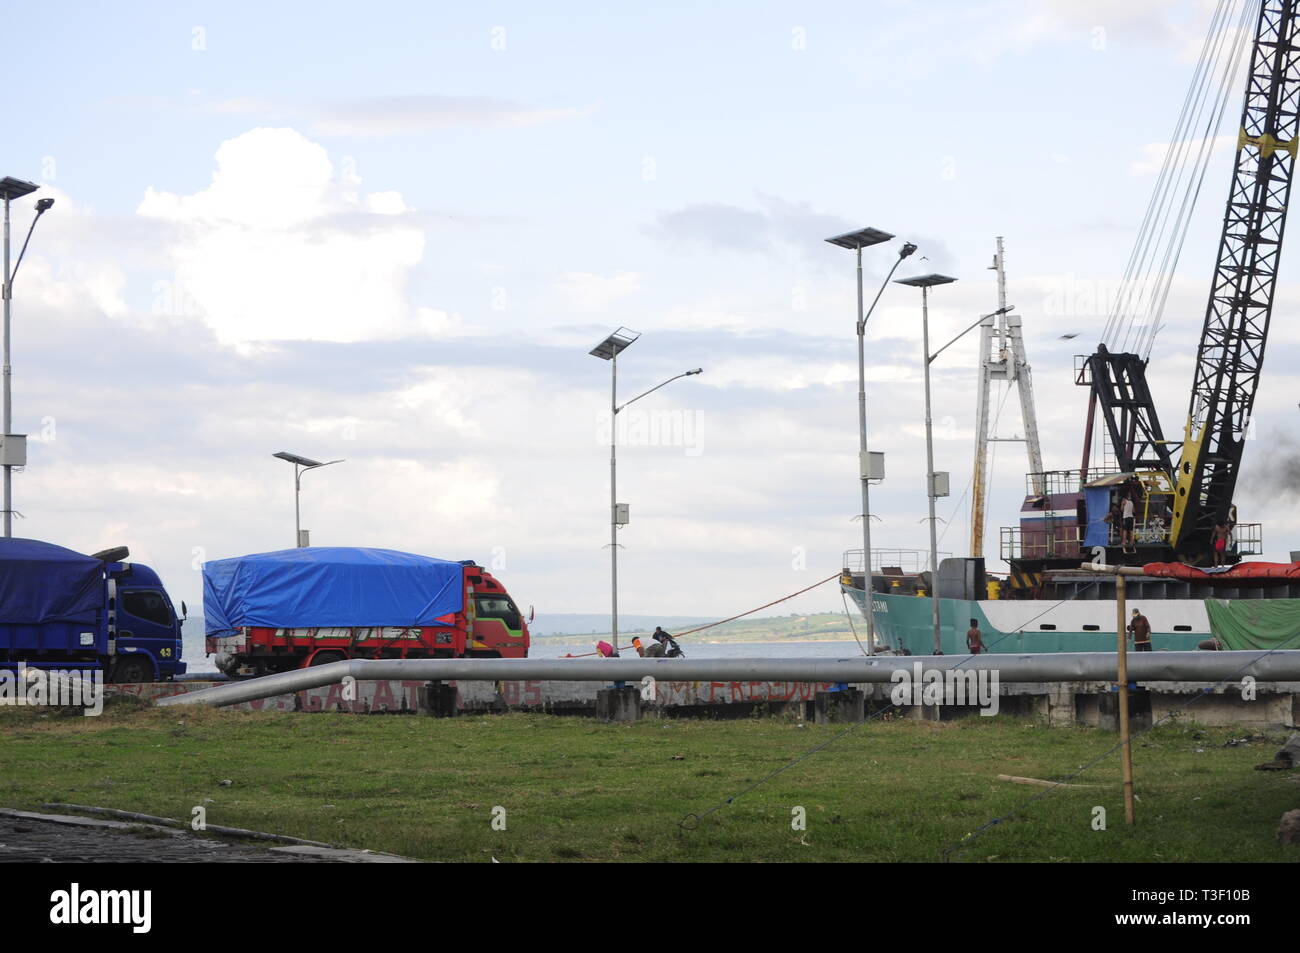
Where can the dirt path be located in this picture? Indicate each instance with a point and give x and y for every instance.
(26, 840)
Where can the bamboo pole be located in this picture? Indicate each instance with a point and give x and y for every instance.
(1122, 649)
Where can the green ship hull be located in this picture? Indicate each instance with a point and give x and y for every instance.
(904, 623)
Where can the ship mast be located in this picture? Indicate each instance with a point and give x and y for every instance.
(1003, 358)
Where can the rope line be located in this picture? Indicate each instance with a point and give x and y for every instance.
(733, 618)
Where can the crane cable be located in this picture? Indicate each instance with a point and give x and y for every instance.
(1124, 307)
(1139, 304)
(1169, 266)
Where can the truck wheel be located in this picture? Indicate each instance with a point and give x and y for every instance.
(131, 671)
(325, 658)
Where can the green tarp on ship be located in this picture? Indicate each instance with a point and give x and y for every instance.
(1255, 623)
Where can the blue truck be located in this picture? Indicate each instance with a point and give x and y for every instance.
(62, 609)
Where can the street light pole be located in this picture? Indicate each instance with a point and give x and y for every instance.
(613, 499)
(297, 516)
(608, 350)
(300, 466)
(8, 406)
(929, 469)
(13, 448)
(868, 579)
(857, 241)
(925, 283)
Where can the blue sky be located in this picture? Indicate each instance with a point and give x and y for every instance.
(391, 233)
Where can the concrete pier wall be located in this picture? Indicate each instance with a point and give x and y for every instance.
(1276, 704)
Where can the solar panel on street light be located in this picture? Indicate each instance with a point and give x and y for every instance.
(11, 188)
(294, 458)
(924, 281)
(615, 344)
(862, 238)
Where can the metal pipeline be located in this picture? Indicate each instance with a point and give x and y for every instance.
(1280, 666)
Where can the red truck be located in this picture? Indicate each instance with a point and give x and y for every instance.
(293, 608)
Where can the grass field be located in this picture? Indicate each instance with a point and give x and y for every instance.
(578, 789)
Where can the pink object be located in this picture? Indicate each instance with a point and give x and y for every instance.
(605, 649)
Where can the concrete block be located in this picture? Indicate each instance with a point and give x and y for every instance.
(847, 707)
(618, 704)
(1059, 706)
(1139, 710)
(437, 699)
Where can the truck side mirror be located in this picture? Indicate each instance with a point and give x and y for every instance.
(531, 613)
(185, 612)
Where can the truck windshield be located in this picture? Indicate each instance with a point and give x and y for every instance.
(148, 605)
(497, 607)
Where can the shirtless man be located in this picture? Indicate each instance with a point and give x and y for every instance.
(1219, 540)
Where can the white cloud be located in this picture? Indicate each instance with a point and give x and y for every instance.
(584, 291)
(1151, 157)
(396, 115)
(280, 248)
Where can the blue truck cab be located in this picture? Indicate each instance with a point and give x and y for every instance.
(61, 609)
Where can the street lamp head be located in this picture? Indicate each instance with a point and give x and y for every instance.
(301, 461)
(44, 205)
(698, 370)
(906, 250)
(11, 188)
(862, 238)
(615, 344)
(925, 281)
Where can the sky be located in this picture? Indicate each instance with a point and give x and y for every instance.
(392, 233)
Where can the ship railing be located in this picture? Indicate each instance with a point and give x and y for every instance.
(1057, 542)
(1247, 539)
(907, 561)
(1052, 482)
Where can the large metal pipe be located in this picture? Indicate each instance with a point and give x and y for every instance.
(1057, 667)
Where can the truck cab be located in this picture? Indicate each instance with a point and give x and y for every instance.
(60, 609)
(144, 629)
(496, 626)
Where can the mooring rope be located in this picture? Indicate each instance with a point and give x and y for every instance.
(733, 618)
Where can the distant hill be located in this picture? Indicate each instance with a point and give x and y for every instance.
(593, 623)
(816, 625)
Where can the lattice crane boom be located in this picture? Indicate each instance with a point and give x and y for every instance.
(1231, 351)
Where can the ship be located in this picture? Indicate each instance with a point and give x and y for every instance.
(1157, 515)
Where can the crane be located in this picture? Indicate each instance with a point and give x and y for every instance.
(1230, 354)
(1231, 351)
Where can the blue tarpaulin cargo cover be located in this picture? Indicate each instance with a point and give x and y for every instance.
(1098, 533)
(329, 586)
(41, 582)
